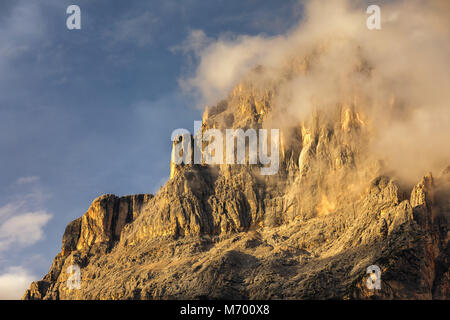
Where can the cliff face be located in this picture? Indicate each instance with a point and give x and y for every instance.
(225, 231)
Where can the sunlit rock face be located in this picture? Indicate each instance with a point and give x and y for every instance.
(308, 232)
(107, 216)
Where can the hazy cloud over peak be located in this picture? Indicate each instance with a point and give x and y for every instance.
(405, 92)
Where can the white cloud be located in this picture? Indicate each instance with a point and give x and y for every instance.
(13, 282)
(8, 209)
(23, 229)
(22, 220)
(223, 62)
(22, 223)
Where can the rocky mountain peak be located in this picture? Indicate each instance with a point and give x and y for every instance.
(226, 231)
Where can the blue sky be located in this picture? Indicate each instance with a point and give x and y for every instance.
(87, 112)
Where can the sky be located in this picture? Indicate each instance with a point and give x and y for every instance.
(88, 112)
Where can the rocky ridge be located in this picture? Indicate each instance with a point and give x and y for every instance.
(226, 232)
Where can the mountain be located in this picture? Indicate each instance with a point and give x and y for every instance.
(310, 231)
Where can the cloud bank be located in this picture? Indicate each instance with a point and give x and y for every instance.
(22, 223)
(397, 76)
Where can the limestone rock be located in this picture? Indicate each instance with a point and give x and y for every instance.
(227, 232)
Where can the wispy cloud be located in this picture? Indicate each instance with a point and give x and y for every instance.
(27, 180)
(20, 30)
(22, 220)
(22, 230)
(22, 223)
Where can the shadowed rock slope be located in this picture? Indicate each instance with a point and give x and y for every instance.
(227, 232)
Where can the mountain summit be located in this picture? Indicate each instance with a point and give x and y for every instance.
(226, 231)
(362, 118)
